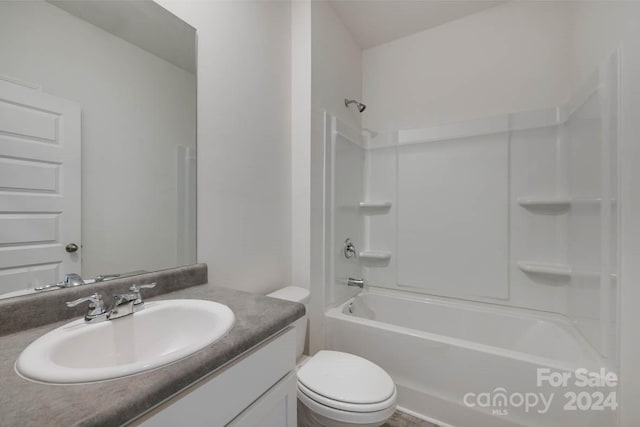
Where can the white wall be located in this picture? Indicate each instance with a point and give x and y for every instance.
(508, 58)
(279, 212)
(244, 140)
(452, 225)
(301, 143)
(598, 29)
(345, 163)
(505, 59)
(135, 107)
(523, 56)
(515, 57)
(336, 73)
(336, 65)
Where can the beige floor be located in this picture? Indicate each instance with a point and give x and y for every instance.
(400, 419)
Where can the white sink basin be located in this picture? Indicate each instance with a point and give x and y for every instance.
(165, 331)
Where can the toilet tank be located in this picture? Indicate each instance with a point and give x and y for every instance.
(301, 295)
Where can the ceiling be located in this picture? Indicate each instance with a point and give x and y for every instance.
(142, 23)
(374, 22)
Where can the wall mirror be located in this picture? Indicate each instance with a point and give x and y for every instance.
(97, 141)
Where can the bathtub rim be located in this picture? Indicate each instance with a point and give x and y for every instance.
(591, 358)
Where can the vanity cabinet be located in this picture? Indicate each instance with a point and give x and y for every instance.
(256, 389)
(276, 408)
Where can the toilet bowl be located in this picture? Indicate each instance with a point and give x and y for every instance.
(337, 389)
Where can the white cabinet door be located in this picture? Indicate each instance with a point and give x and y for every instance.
(276, 408)
(218, 400)
(40, 186)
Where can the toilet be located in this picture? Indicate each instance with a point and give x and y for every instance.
(337, 389)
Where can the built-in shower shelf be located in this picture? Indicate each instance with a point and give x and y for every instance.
(593, 275)
(558, 203)
(560, 270)
(375, 255)
(545, 203)
(375, 206)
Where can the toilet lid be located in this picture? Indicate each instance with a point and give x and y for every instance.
(346, 378)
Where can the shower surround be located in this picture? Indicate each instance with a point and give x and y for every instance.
(515, 215)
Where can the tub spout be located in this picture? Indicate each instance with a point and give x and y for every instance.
(355, 282)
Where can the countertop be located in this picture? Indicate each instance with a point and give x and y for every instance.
(114, 402)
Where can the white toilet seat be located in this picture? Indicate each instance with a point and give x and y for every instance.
(346, 388)
(347, 406)
(348, 417)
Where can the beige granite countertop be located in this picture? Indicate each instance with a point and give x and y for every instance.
(114, 402)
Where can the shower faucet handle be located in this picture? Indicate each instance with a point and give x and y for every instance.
(349, 249)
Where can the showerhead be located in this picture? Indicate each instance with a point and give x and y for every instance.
(360, 105)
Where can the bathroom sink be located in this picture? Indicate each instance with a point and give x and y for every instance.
(164, 332)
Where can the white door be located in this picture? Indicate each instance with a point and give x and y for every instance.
(40, 208)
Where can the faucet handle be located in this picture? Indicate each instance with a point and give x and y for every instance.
(135, 289)
(58, 285)
(96, 304)
(349, 249)
(103, 277)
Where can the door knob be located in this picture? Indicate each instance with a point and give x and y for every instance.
(71, 247)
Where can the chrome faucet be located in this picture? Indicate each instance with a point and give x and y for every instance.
(96, 311)
(355, 282)
(109, 276)
(71, 280)
(122, 305)
(126, 304)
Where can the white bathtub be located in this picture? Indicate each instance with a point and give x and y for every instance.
(447, 358)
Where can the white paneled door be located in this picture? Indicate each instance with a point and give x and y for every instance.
(40, 210)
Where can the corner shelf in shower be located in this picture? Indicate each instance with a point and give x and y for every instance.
(374, 207)
(375, 255)
(559, 270)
